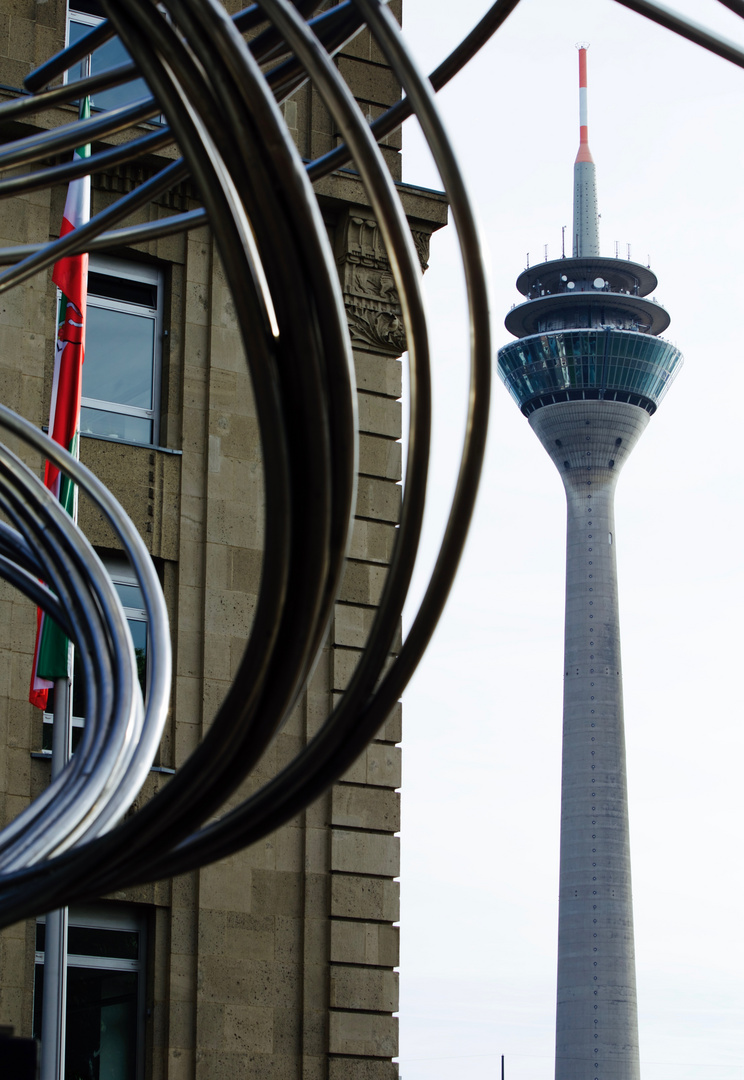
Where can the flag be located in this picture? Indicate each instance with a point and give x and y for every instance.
(70, 275)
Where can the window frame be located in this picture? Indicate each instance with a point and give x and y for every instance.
(145, 273)
(90, 21)
(113, 917)
(83, 18)
(121, 573)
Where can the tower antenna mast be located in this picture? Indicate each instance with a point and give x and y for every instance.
(585, 220)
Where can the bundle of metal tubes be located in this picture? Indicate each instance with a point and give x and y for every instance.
(220, 97)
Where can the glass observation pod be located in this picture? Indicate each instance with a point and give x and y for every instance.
(570, 365)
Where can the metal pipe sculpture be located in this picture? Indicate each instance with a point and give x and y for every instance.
(223, 115)
(220, 97)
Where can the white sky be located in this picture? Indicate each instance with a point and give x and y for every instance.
(482, 720)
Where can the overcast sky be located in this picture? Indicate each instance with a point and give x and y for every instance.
(482, 720)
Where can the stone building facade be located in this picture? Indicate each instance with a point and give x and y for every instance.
(280, 961)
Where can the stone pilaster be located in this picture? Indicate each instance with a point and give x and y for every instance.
(365, 811)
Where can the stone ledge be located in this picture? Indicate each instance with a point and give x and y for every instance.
(365, 898)
(367, 1034)
(364, 988)
(361, 852)
(374, 944)
(350, 1068)
(363, 807)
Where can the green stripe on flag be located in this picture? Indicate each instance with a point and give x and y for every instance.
(54, 650)
(54, 646)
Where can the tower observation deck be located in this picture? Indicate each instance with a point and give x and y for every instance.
(589, 370)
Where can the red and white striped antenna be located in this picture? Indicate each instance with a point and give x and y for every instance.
(586, 222)
(584, 153)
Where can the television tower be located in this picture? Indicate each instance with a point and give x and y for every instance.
(588, 370)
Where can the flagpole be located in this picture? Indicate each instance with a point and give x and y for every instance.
(54, 1001)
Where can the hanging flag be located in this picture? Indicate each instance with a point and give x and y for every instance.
(70, 275)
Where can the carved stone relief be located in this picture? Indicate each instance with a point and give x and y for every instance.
(421, 241)
(372, 302)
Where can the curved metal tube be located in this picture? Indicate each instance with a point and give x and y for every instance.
(118, 733)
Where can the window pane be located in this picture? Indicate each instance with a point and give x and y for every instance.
(138, 631)
(130, 595)
(47, 730)
(99, 941)
(111, 54)
(114, 425)
(144, 293)
(101, 1024)
(101, 1029)
(95, 941)
(118, 357)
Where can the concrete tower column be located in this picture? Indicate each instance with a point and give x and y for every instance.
(596, 1026)
(589, 369)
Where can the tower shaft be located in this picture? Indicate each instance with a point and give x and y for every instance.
(596, 1025)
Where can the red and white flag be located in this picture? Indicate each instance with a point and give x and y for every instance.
(70, 275)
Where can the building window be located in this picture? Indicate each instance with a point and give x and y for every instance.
(121, 373)
(133, 603)
(82, 16)
(105, 993)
